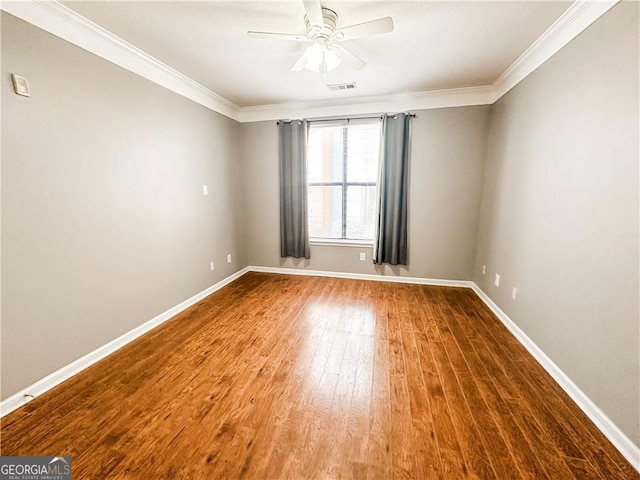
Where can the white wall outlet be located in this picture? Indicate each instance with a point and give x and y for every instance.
(212, 265)
(229, 258)
(205, 190)
(20, 85)
(514, 293)
(484, 269)
(363, 256)
(497, 282)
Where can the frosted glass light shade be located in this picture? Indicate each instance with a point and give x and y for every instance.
(319, 56)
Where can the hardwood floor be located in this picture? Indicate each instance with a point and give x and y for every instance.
(308, 377)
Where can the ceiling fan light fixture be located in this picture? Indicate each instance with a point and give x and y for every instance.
(321, 58)
(314, 56)
(331, 58)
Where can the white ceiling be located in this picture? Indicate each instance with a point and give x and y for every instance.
(435, 45)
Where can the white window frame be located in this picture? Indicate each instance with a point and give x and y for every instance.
(343, 241)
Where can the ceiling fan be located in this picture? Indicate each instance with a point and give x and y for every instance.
(325, 53)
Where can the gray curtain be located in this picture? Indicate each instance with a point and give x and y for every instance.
(294, 229)
(390, 241)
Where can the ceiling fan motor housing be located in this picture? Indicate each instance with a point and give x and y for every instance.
(322, 34)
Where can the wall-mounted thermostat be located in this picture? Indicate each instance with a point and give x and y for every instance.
(20, 85)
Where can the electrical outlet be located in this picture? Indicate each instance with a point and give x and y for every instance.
(212, 265)
(484, 269)
(514, 293)
(229, 258)
(497, 282)
(205, 190)
(363, 256)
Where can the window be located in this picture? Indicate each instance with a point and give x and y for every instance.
(342, 172)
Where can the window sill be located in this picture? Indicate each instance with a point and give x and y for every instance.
(341, 243)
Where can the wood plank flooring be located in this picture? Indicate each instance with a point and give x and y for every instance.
(308, 377)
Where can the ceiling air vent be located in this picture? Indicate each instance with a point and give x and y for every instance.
(342, 86)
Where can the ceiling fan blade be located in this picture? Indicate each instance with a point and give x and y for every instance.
(279, 36)
(349, 58)
(299, 65)
(366, 29)
(314, 12)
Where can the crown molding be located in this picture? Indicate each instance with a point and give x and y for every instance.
(455, 97)
(568, 26)
(63, 22)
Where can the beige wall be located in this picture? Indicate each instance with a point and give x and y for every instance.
(560, 212)
(446, 168)
(104, 224)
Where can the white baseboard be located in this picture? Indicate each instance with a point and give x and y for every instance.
(619, 440)
(38, 388)
(364, 276)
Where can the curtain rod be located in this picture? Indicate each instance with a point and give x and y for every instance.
(336, 119)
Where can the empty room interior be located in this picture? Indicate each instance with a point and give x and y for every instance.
(320, 239)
